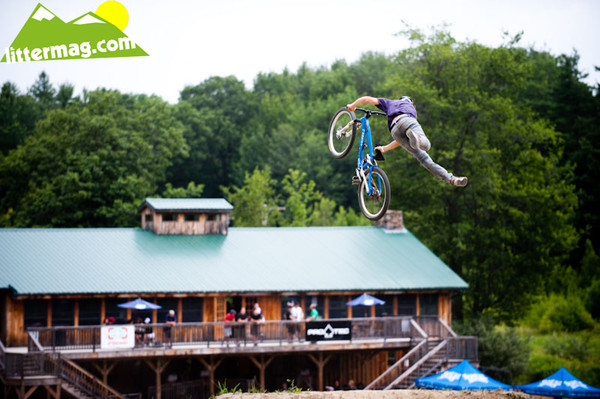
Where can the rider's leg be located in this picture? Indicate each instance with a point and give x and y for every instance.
(425, 160)
(414, 132)
(437, 170)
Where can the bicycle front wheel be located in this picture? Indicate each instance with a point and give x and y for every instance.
(374, 202)
(342, 130)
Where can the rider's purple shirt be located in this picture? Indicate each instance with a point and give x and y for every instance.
(393, 108)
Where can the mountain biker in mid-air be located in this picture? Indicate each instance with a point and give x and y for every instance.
(408, 133)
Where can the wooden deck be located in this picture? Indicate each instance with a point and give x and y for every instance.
(52, 351)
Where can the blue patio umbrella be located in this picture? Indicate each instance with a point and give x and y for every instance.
(365, 300)
(139, 304)
(560, 384)
(461, 377)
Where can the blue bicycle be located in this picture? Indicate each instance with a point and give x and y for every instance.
(373, 184)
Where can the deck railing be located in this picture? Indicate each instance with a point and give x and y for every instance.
(226, 334)
(38, 363)
(459, 348)
(447, 350)
(434, 327)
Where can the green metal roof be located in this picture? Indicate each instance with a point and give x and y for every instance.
(131, 260)
(188, 204)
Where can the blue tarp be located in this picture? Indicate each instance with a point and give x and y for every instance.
(560, 384)
(461, 377)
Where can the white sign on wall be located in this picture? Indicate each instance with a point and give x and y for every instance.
(117, 337)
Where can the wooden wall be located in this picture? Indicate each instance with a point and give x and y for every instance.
(204, 225)
(12, 332)
(361, 367)
(445, 308)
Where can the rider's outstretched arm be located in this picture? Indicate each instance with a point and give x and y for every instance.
(363, 100)
(390, 146)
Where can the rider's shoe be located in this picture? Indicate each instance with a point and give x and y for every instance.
(413, 139)
(458, 181)
(355, 180)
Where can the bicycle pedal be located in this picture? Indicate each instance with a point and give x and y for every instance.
(355, 180)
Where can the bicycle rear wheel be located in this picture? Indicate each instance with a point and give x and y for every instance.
(374, 205)
(342, 130)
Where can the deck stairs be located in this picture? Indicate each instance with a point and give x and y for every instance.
(432, 354)
(39, 365)
(74, 391)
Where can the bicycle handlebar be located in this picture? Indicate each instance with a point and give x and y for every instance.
(369, 112)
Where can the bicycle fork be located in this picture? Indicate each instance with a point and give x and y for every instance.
(344, 131)
(365, 173)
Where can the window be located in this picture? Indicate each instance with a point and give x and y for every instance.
(213, 217)
(337, 307)
(35, 313)
(167, 304)
(149, 217)
(319, 300)
(361, 311)
(386, 309)
(428, 304)
(285, 300)
(89, 312)
(191, 217)
(112, 310)
(192, 309)
(407, 305)
(169, 217)
(250, 301)
(63, 312)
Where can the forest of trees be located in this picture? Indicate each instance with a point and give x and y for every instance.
(520, 123)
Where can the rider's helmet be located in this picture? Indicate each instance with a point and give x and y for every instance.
(406, 99)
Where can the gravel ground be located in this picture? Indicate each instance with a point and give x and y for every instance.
(393, 394)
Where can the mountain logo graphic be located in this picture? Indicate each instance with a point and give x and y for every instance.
(45, 37)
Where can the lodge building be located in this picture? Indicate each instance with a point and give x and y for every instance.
(58, 286)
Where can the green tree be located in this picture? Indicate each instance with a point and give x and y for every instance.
(513, 223)
(589, 280)
(65, 96)
(191, 191)
(301, 198)
(216, 114)
(18, 115)
(43, 91)
(503, 354)
(254, 203)
(557, 92)
(90, 165)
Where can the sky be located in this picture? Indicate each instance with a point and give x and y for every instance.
(189, 41)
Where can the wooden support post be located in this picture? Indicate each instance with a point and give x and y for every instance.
(211, 367)
(262, 366)
(158, 368)
(54, 394)
(105, 369)
(320, 362)
(22, 394)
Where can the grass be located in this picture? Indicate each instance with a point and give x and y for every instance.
(222, 389)
(578, 352)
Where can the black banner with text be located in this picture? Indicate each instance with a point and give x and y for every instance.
(329, 330)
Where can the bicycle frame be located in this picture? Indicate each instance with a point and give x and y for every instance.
(363, 161)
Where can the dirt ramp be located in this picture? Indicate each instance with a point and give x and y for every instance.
(394, 394)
